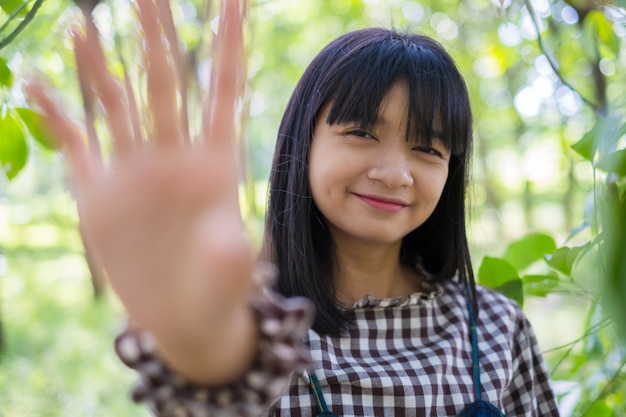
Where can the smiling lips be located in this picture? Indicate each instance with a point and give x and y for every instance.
(389, 205)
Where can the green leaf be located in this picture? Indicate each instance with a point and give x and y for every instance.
(500, 275)
(9, 6)
(613, 162)
(529, 249)
(514, 290)
(564, 258)
(13, 148)
(585, 146)
(6, 75)
(35, 123)
(494, 272)
(539, 285)
(603, 137)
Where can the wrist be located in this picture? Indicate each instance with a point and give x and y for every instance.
(218, 357)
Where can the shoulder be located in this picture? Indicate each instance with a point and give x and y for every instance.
(495, 310)
(496, 303)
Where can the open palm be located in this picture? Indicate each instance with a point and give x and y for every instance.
(162, 214)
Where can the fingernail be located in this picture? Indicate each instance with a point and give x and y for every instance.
(75, 32)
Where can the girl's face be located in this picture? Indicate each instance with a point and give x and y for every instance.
(374, 186)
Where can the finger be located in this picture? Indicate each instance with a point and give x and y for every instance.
(88, 107)
(161, 76)
(88, 101)
(92, 66)
(65, 132)
(169, 28)
(220, 112)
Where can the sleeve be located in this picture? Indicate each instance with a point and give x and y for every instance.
(530, 392)
(283, 323)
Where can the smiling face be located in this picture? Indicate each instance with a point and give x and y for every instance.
(374, 186)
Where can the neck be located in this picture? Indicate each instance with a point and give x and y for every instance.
(371, 269)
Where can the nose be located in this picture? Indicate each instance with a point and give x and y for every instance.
(392, 168)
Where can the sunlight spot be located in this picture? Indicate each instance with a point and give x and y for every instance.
(203, 72)
(527, 26)
(527, 103)
(541, 7)
(188, 11)
(569, 15)
(569, 102)
(487, 67)
(607, 66)
(542, 87)
(543, 65)
(509, 34)
(445, 27)
(541, 164)
(258, 104)
(413, 12)
(620, 30)
(215, 24)
(104, 21)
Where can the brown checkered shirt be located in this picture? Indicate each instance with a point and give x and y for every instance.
(402, 357)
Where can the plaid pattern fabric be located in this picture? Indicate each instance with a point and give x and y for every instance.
(283, 324)
(412, 357)
(402, 357)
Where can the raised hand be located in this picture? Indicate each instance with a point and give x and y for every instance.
(161, 214)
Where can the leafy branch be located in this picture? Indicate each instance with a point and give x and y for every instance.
(27, 19)
(597, 108)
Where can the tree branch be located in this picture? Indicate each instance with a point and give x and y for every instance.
(29, 16)
(596, 108)
(13, 15)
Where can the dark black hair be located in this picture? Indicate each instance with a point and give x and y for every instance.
(354, 73)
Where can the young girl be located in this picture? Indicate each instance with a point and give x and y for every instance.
(365, 222)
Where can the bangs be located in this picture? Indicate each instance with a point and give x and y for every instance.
(438, 101)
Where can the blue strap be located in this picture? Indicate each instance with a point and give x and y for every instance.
(478, 408)
(474, 337)
(314, 384)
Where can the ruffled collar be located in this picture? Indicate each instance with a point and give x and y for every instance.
(419, 297)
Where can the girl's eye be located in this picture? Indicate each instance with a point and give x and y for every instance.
(428, 150)
(360, 133)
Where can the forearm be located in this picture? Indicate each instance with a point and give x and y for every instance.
(217, 358)
(279, 325)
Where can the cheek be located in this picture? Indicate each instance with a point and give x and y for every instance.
(320, 178)
(434, 184)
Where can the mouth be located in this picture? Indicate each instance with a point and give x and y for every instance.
(386, 204)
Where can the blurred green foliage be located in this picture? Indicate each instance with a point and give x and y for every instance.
(549, 174)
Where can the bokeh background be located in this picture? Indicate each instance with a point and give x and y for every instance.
(547, 84)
